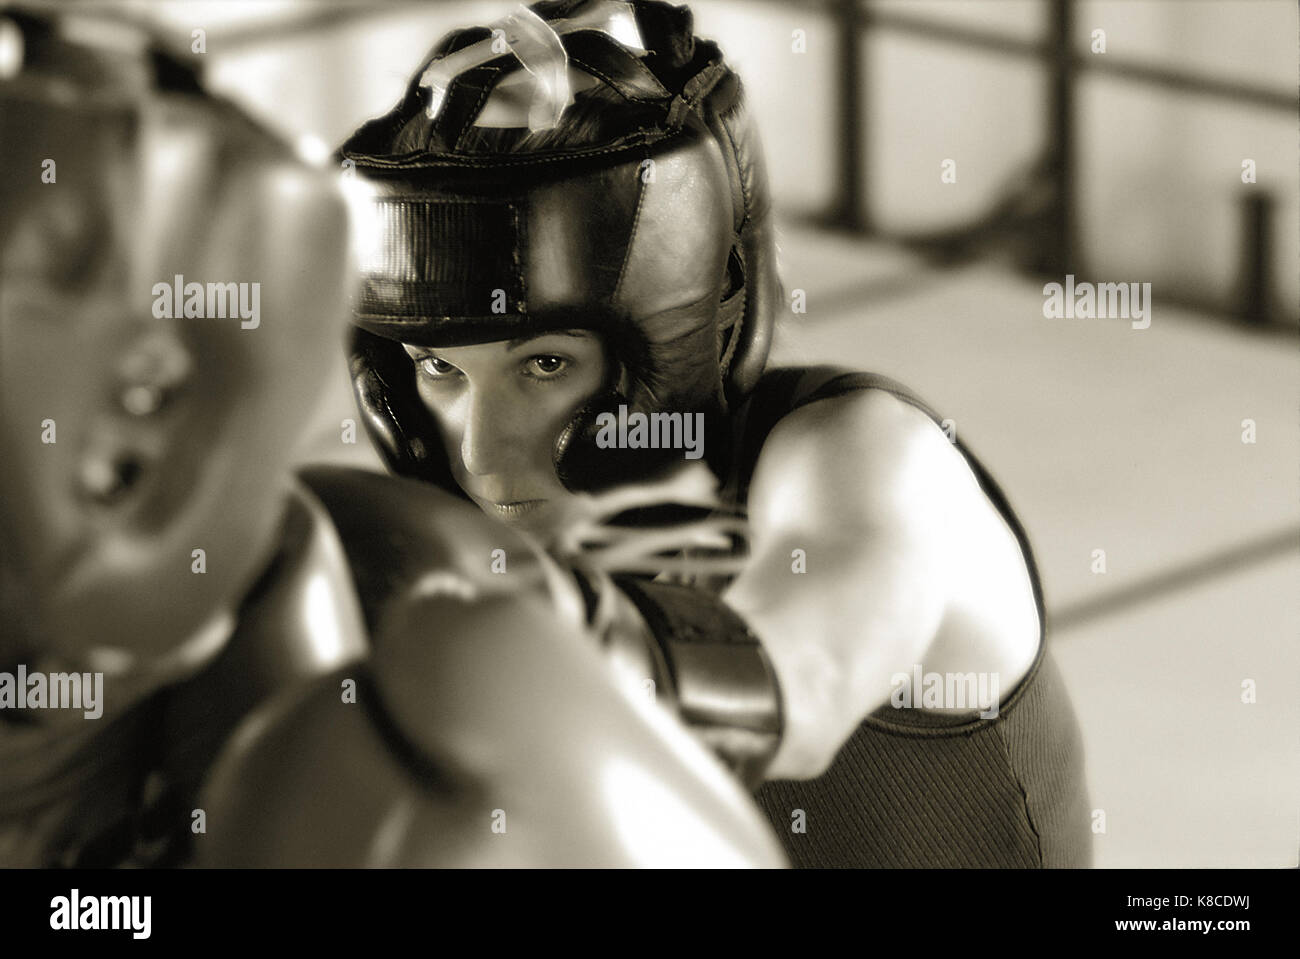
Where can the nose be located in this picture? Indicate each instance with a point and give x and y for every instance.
(491, 442)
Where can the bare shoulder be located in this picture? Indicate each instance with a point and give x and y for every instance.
(868, 464)
(867, 456)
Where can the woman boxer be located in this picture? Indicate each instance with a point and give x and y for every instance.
(568, 229)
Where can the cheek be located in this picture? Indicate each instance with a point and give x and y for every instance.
(588, 382)
(434, 399)
(440, 405)
(64, 386)
(553, 412)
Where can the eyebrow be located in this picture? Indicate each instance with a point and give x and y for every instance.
(519, 341)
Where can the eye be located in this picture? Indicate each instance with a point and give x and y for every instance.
(434, 367)
(546, 366)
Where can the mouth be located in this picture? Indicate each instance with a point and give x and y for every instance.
(513, 510)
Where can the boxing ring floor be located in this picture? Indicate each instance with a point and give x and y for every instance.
(1110, 438)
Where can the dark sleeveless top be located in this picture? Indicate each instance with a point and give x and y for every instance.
(916, 788)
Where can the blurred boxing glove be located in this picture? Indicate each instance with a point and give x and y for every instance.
(484, 730)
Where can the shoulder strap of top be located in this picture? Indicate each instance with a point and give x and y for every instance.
(782, 391)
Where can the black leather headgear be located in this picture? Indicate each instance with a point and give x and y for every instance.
(657, 236)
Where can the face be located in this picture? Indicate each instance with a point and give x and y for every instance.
(500, 407)
(130, 440)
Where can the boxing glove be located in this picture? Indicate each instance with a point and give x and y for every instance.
(485, 728)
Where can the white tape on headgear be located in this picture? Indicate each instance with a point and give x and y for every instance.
(536, 44)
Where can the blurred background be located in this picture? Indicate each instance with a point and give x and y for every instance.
(1115, 157)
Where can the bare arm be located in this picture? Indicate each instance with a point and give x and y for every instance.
(901, 546)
